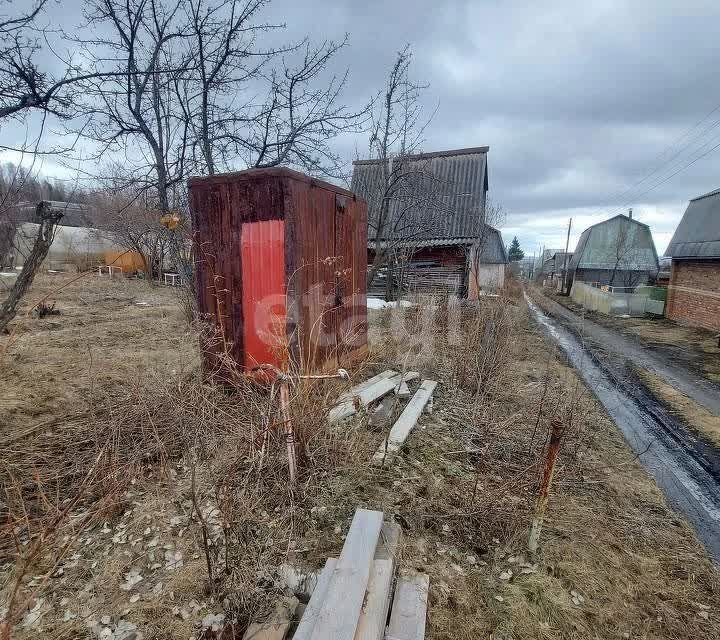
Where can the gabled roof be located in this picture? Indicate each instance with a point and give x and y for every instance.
(492, 247)
(620, 242)
(560, 258)
(439, 196)
(698, 234)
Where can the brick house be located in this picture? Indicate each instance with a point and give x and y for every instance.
(694, 290)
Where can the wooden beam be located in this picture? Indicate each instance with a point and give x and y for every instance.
(307, 622)
(340, 611)
(409, 609)
(363, 399)
(354, 391)
(373, 616)
(406, 422)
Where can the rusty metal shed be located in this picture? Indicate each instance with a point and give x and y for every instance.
(281, 265)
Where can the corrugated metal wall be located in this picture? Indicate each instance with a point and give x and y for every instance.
(263, 277)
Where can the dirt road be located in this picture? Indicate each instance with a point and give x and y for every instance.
(684, 467)
(617, 345)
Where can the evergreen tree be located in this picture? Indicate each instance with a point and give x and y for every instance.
(515, 253)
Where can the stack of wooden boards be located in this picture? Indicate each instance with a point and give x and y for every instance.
(377, 387)
(358, 597)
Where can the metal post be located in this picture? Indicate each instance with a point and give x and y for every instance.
(544, 493)
(289, 432)
(565, 261)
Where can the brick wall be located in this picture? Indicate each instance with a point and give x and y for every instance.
(694, 293)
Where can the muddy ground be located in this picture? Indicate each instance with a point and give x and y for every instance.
(691, 347)
(616, 562)
(678, 370)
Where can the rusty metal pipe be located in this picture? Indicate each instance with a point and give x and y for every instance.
(544, 492)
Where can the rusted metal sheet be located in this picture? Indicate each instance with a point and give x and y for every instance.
(351, 271)
(324, 265)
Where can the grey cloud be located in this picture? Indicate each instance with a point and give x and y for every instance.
(576, 100)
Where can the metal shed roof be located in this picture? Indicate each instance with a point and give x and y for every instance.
(698, 234)
(492, 247)
(602, 246)
(74, 215)
(442, 195)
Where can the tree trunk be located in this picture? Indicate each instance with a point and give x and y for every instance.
(48, 221)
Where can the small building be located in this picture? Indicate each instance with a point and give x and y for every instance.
(77, 245)
(488, 264)
(694, 290)
(427, 219)
(280, 272)
(555, 267)
(619, 252)
(663, 277)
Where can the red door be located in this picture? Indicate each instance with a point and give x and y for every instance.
(263, 296)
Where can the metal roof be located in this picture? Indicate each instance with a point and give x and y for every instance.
(492, 247)
(74, 214)
(434, 196)
(620, 242)
(698, 234)
(556, 262)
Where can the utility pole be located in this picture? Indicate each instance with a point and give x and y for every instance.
(565, 261)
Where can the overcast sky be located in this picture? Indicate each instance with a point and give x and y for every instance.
(577, 101)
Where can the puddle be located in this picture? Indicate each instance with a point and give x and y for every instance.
(687, 483)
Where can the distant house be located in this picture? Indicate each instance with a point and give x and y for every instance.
(555, 266)
(76, 244)
(433, 227)
(488, 263)
(694, 290)
(619, 252)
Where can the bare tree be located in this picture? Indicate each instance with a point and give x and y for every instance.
(494, 216)
(223, 45)
(301, 110)
(133, 109)
(627, 255)
(129, 221)
(403, 186)
(48, 219)
(24, 85)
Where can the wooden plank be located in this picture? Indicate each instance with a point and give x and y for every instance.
(389, 544)
(373, 616)
(409, 609)
(354, 391)
(277, 625)
(307, 622)
(340, 612)
(364, 398)
(406, 422)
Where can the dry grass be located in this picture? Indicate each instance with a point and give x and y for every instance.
(463, 488)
